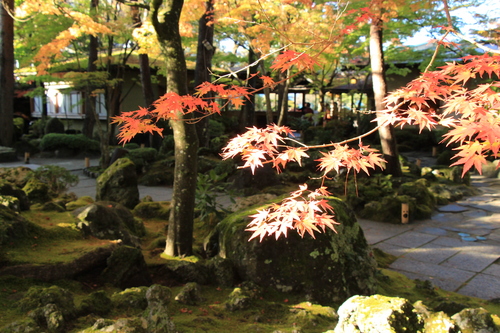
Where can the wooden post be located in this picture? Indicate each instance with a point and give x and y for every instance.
(418, 162)
(143, 145)
(87, 162)
(434, 151)
(27, 158)
(405, 213)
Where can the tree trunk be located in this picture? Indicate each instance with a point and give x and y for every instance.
(204, 55)
(6, 74)
(267, 95)
(386, 133)
(90, 100)
(283, 99)
(165, 17)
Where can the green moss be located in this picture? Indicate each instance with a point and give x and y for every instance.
(80, 202)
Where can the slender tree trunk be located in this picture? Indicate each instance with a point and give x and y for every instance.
(267, 96)
(283, 99)
(204, 55)
(6, 74)
(165, 17)
(90, 100)
(386, 133)
(247, 118)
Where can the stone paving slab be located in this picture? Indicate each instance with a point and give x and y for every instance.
(411, 239)
(395, 250)
(471, 261)
(483, 286)
(444, 284)
(493, 270)
(433, 254)
(429, 269)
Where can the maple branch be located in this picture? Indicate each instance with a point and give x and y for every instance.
(434, 55)
(132, 3)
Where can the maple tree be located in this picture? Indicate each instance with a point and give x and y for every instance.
(6, 72)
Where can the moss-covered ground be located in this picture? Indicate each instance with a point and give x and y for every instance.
(270, 311)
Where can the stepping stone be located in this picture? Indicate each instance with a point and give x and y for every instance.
(453, 209)
(463, 234)
(481, 238)
(469, 239)
(434, 231)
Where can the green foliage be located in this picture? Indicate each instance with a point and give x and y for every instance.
(167, 145)
(57, 178)
(142, 157)
(77, 142)
(215, 128)
(54, 125)
(208, 187)
(38, 127)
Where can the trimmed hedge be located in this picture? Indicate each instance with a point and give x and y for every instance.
(54, 141)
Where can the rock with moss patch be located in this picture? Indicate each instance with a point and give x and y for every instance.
(221, 271)
(238, 300)
(49, 316)
(37, 191)
(149, 210)
(127, 268)
(109, 220)
(13, 226)
(330, 268)
(130, 298)
(122, 325)
(97, 303)
(78, 203)
(9, 189)
(27, 325)
(118, 183)
(190, 294)
(156, 315)
(377, 313)
(17, 176)
(52, 206)
(39, 297)
(475, 320)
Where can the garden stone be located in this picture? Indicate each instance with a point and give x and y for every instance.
(8, 189)
(475, 321)
(123, 325)
(130, 298)
(97, 302)
(246, 202)
(78, 203)
(49, 316)
(157, 318)
(37, 191)
(17, 176)
(238, 300)
(10, 202)
(39, 297)
(221, 271)
(118, 183)
(377, 313)
(52, 207)
(186, 271)
(150, 209)
(27, 325)
(13, 226)
(108, 220)
(330, 268)
(190, 294)
(127, 268)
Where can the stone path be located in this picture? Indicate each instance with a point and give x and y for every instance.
(458, 249)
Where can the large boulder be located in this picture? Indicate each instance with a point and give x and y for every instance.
(13, 226)
(330, 268)
(109, 220)
(9, 189)
(377, 313)
(475, 320)
(127, 268)
(157, 317)
(17, 176)
(37, 191)
(119, 184)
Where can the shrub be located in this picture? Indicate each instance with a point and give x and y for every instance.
(54, 125)
(57, 178)
(142, 157)
(54, 141)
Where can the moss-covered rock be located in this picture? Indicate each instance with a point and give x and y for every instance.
(327, 269)
(17, 176)
(97, 302)
(109, 220)
(475, 320)
(9, 189)
(130, 298)
(127, 268)
(377, 313)
(14, 227)
(157, 316)
(78, 203)
(156, 209)
(37, 191)
(39, 297)
(118, 183)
